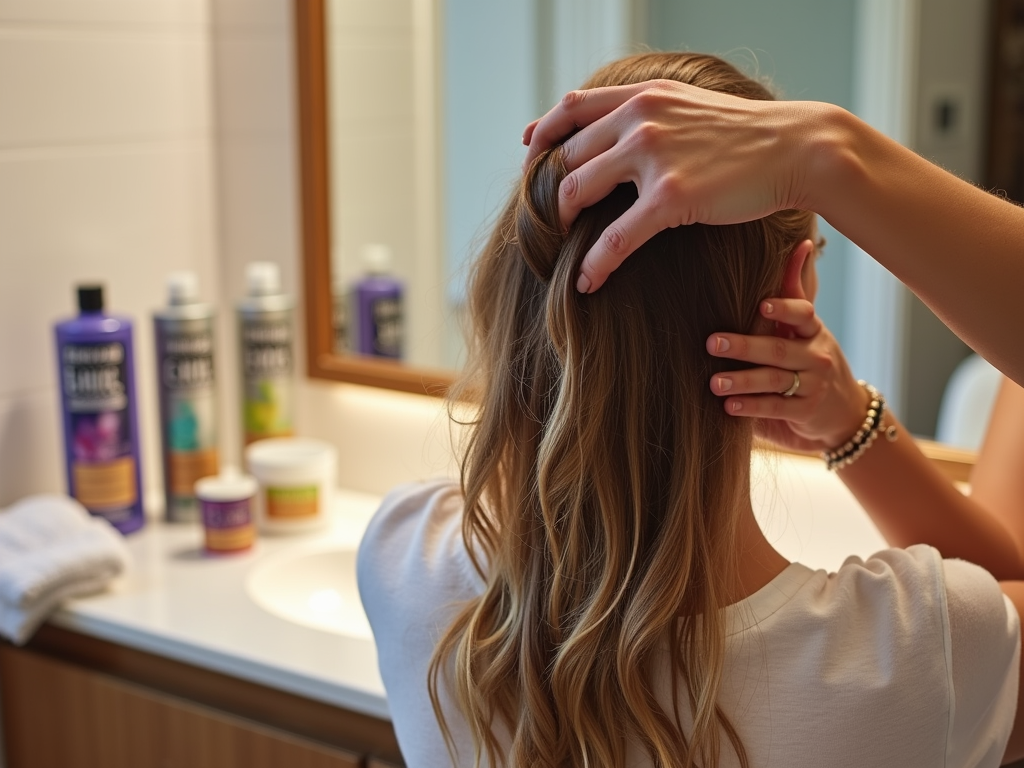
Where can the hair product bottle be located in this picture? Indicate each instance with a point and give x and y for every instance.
(188, 402)
(265, 330)
(377, 306)
(101, 433)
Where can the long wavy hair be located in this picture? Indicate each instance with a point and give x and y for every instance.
(601, 477)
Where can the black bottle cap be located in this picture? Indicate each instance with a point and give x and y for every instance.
(90, 298)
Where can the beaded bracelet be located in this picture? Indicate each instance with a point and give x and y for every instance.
(851, 450)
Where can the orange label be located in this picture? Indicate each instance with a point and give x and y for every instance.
(290, 503)
(107, 484)
(230, 539)
(252, 437)
(185, 467)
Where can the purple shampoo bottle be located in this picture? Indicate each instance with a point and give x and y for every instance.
(101, 432)
(377, 306)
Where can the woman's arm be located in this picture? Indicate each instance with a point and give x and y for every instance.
(997, 481)
(697, 156)
(902, 491)
(909, 500)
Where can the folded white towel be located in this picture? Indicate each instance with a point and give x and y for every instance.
(51, 549)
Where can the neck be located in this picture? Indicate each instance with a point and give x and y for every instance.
(757, 561)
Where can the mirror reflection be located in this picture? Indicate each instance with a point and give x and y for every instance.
(455, 83)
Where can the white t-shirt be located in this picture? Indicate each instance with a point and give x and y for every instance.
(901, 660)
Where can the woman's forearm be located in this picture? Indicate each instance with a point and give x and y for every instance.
(959, 248)
(911, 502)
(997, 482)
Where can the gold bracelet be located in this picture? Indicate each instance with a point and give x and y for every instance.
(851, 450)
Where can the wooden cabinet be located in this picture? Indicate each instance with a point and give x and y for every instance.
(71, 700)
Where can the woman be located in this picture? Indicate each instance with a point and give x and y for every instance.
(598, 591)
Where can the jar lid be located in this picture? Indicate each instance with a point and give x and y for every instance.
(230, 485)
(289, 453)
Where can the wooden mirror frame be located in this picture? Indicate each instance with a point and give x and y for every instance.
(322, 362)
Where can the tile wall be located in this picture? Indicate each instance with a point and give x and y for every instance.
(139, 137)
(107, 172)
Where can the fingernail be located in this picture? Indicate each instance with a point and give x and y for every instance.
(583, 284)
(724, 384)
(768, 307)
(736, 405)
(721, 344)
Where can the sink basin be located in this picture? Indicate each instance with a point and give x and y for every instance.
(314, 588)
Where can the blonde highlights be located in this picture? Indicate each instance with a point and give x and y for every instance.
(601, 477)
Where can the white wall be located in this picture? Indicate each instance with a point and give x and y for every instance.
(106, 173)
(252, 77)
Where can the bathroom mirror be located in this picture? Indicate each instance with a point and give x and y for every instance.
(411, 113)
(410, 119)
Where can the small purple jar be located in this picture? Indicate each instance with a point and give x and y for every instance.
(226, 509)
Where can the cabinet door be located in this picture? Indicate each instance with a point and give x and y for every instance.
(56, 714)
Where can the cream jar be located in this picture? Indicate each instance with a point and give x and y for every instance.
(225, 506)
(296, 479)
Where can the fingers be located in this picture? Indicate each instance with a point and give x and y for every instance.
(798, 314)
(623, 236)
(792, 355)
(762, 381)
(528, 132)
(577, 109)
(769, 407)
(595, 169)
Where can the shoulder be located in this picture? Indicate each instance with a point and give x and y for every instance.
(905, 582)
(412, 553)
(888, 612)
(414, 575)
(965, 600)
(947, 622)
(921, 589)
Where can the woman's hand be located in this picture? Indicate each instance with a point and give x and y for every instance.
(695, 156)
(818, 411)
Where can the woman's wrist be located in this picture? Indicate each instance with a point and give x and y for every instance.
(855, 406)
(871, 428)
(827, 155)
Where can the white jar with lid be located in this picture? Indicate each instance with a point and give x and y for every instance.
(296, 477)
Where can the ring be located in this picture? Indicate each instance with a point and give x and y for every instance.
(794, 387)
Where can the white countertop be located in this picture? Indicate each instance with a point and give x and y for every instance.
(179, 603)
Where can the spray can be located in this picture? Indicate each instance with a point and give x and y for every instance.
(98, 398)
(267, 349)
(188, 401)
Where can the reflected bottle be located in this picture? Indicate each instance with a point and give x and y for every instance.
(377, 306)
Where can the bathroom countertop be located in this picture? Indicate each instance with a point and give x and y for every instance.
(179, 603)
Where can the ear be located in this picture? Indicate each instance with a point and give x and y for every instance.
(792, 279)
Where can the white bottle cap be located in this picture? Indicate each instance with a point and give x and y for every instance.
(182, 288)
(263, 278)
(377, 258)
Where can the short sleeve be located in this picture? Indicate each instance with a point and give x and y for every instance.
(983, 657)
